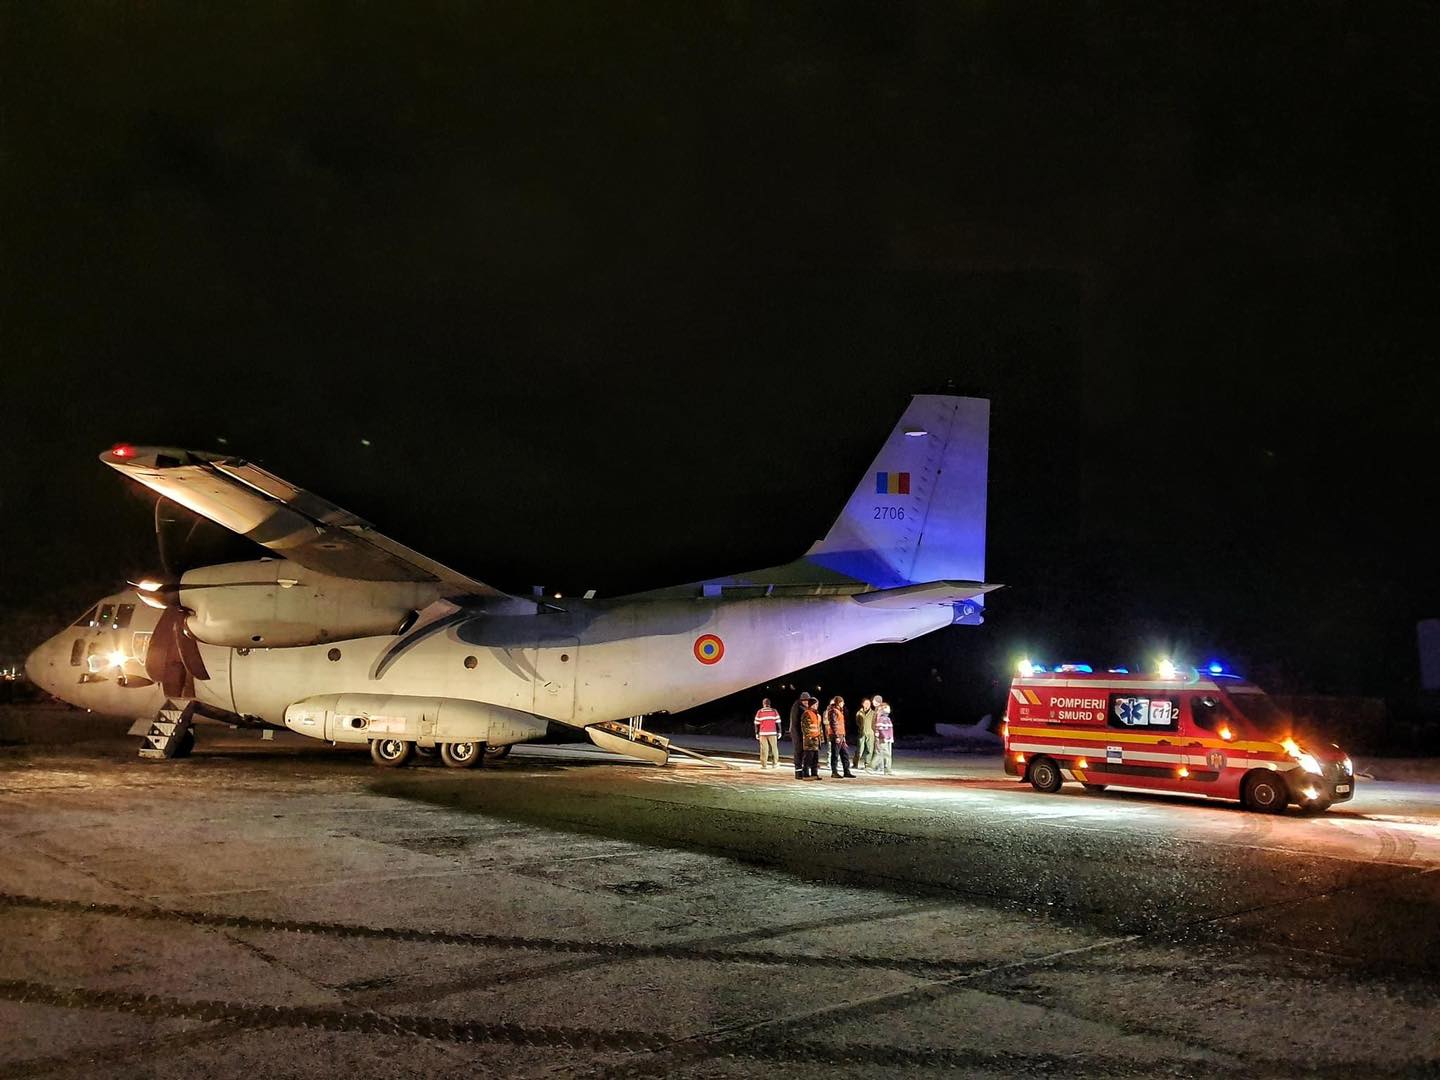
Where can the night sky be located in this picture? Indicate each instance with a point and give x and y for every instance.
(624, 295)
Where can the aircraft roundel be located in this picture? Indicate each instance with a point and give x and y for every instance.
(709, 649)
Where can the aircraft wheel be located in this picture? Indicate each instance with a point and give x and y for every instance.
(495, 753)
(1045, 775)
(1094, 789)
(1266, 792)
(462, 755)
(391, 753)
(186, 745)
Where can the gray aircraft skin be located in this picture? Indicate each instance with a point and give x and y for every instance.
(347, 636)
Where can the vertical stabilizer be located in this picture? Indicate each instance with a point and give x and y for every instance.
(918, 514)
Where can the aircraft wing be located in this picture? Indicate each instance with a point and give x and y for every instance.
(290, 521)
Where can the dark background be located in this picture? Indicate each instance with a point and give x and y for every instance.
(624, 295)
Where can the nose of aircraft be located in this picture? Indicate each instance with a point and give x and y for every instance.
(40, 666)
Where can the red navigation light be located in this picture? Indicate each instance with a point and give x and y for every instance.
(123, 450)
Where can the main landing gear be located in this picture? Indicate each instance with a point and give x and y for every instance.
(393, 753)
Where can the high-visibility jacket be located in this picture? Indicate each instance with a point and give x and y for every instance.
(835, 724)
(810, 724)
(767, 722)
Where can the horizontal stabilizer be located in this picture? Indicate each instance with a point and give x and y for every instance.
(931, 592)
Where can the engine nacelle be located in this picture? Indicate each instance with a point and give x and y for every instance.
(276, 603)
(358, 718)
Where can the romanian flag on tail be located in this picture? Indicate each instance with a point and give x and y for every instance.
(892, 483)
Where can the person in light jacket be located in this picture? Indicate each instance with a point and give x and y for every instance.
(884, 741)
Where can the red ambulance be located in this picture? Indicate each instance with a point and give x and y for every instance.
(1197, 733)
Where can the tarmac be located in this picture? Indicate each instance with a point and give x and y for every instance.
(281, 909)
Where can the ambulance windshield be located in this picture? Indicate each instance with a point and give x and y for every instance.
(1260, 709)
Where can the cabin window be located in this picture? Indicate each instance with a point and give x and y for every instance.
(1209, 714)
(77, 652)
(1132, 712)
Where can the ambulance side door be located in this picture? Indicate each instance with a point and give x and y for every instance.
(1203, 718)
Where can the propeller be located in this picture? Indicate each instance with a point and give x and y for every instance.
(182, 543)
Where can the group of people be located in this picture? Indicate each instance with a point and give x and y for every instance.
(810, 729)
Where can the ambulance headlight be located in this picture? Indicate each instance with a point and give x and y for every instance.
(1306, 759)
(1348, 765)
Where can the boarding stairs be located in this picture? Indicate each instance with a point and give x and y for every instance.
(629, 739)
(169, 731)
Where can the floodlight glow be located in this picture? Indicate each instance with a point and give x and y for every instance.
(1168, 670)
(1026, 668)
(117, 659)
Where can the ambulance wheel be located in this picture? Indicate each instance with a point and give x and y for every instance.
(1045, 775)
(462, 755)
(1265, 792)
(495, 753)
(186, 746)
(1094, 789)
(391, 753)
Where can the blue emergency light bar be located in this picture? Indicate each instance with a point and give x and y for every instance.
(1214, 668)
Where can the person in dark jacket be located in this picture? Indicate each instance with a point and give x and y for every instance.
(797, 733)
(835, 732)
(865, 721)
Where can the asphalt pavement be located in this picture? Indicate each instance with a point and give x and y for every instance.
(282, 909)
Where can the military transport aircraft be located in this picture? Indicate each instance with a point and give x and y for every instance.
(349, 637)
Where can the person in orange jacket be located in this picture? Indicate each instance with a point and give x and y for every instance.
(811, 732)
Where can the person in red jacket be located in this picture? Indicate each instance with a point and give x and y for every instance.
(767, 731)
(835, 732)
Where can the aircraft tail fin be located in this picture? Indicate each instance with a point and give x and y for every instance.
(918, 514)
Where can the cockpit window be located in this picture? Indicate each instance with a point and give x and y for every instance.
(123, 614)
(107, 616)
(88, 619)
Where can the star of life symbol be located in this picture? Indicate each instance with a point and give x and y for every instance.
(1133, 711)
